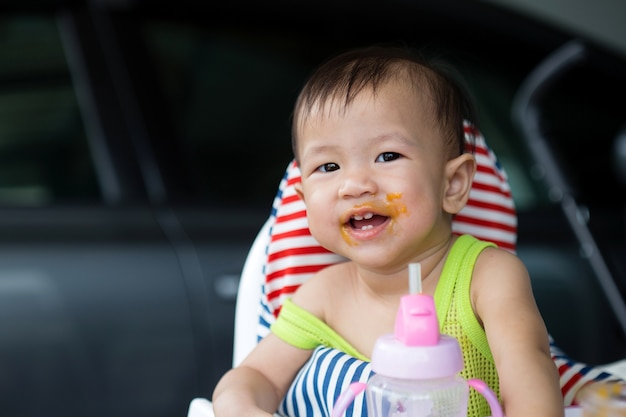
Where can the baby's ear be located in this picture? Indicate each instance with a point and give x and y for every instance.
(459, 177)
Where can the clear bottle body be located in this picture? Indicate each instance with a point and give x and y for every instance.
(394, 397)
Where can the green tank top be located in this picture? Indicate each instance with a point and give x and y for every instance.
(456, 318)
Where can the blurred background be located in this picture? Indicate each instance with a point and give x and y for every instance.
(142, 143)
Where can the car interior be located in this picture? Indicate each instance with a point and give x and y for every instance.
(142, 143)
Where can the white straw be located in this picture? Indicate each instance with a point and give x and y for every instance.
(415, 279)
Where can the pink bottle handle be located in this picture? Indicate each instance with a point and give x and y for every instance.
(480, 386)
(356, 388)
(347, 397)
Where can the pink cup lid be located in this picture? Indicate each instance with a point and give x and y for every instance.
(393, 358)
(417, 350)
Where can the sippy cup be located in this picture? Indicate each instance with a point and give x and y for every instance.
(416, 369)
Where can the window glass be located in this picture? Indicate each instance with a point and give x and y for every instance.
(231, 96)
(44, 156)
(231, 92)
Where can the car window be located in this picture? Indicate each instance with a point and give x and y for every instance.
(44, 157)
(231, 92)
(231, 95)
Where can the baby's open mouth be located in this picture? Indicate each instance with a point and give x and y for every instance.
(366, 221)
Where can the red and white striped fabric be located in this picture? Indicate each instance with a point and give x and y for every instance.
(490, 212)
(293, 255)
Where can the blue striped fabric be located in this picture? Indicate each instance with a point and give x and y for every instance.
(336, 370)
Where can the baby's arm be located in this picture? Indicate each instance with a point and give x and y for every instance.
(256, 387)
(504, 302)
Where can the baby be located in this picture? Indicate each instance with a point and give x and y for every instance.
(378, 136)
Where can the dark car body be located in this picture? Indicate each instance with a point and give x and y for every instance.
(142, 142)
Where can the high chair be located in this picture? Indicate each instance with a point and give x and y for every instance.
(284, 255)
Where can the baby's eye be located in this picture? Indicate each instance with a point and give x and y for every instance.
(328, 167)
(387, 156)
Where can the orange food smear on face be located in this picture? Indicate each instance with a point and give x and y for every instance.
(390, 208)
(346, 237)
(395, 207)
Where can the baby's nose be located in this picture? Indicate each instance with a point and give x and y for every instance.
(357, 184)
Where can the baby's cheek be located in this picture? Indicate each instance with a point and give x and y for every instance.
(324, 232)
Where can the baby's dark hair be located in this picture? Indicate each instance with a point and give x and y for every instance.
(342, 78)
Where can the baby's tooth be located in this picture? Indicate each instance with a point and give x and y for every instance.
(357, 217)
(368, 216)
(367, 227)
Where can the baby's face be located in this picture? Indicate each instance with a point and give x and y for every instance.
(373, 176)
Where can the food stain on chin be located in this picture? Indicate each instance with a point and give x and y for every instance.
(391, 207)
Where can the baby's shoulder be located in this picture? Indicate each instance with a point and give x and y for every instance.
(316, 293)
(496, 266)
(328, 277)
(494, 256)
